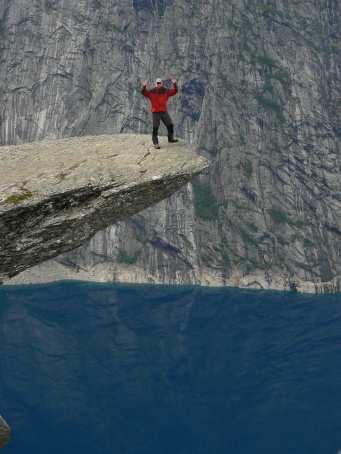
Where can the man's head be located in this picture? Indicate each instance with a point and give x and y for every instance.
(158, 82)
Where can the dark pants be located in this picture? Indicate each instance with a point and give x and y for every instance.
(166, 119)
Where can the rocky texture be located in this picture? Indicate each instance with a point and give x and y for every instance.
(259, 93)
(5, 432)
(56, 194)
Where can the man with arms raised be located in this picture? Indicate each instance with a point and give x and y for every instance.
(158, 97)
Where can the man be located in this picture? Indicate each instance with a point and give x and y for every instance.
(158, 97)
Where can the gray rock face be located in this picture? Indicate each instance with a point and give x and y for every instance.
(259, 91)
(56, 194)
(5, 432)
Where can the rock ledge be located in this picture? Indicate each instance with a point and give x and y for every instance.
(55, 194)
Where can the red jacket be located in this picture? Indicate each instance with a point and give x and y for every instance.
(158, 97)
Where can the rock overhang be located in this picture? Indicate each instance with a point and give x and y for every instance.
(55, 194)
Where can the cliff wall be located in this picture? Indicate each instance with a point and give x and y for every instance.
(259, 95)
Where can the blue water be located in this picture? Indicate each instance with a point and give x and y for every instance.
(122, 369)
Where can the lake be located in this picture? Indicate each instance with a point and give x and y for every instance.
(141, 369)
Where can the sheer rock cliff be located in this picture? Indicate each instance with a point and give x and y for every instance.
(55, 194)
(259, 93)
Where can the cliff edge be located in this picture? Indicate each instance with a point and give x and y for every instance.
(55, 194)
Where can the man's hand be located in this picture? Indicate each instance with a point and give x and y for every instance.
(174, 81)
(144, 83)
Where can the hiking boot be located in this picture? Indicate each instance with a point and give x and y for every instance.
(156, 145)
(173, 140)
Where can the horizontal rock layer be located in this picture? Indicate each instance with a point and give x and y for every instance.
(55, 194)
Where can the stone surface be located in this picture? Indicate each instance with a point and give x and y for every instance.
(55, 194)
(259, 93)
(5, 432)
